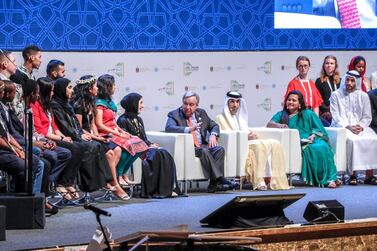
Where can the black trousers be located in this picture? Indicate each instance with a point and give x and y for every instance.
(212, 160)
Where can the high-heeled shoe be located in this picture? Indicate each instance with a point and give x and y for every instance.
(128, 181)
(124, 196)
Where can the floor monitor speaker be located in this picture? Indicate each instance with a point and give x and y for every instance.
(252, 211)
(2, 222)
(24, 212)
(324, 211)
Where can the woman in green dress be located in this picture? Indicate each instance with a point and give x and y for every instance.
(318, 167)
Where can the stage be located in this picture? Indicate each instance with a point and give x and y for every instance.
(74, 225)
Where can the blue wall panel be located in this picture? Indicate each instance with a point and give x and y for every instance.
(134, 25)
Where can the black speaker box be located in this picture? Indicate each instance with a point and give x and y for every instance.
(24, 212)
(2, 222)
(324, 211)
(252, 211)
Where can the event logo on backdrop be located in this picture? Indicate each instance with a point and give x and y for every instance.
(228, 68)
(138, 89)
(266, 67)
(139, 69)
(191, 88)
(236, 86)
(216, 106)
(264, 86)
(266, 104)
(287, 67)
(168, 88)
(188, 68)
(118, 70)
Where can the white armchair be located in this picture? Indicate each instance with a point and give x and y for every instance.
(174, 143)
(193, 167)
(289, 139)
(337, 140)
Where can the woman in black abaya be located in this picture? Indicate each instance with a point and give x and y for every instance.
(159, 174)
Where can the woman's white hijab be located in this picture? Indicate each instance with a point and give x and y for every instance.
(242, 113)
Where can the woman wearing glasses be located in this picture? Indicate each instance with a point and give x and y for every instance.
(303, 84)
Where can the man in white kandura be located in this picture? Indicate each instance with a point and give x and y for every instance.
(350, 109)
(259, 172)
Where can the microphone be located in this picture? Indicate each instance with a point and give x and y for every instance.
(97, 210)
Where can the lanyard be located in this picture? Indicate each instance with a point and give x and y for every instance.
(330, 86)
(306, 93)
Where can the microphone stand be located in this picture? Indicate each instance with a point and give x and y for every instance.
(108, 248)
(29, 149)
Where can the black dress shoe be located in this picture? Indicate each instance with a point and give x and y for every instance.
(232, 184)
(51, 209)
(214, 187)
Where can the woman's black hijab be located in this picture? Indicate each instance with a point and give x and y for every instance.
(60, 94)
(130, 104)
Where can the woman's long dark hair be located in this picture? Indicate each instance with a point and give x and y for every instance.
(82, 97)
(45, 88)
(28, 89)
(105, 83)
(302, 106)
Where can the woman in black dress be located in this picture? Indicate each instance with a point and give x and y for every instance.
(95, 171)
(327, 83)
(159, 172)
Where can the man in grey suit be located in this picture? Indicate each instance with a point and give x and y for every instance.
(191, 119)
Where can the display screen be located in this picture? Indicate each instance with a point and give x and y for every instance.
(325, 14)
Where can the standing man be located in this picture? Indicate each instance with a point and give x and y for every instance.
(350, 108)
(32, 60)
(191, 119)
(55, 69)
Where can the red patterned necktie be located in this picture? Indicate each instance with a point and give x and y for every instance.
(193, 133)
(349, 15)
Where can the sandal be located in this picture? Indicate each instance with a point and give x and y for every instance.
(353, 180)
(128, 181)
(338, 182)
(262, 186)
(123, 197)
(331, 184)
(63, 192)
(73, 192)
(122, 182)
(109, 187)
(371, 180)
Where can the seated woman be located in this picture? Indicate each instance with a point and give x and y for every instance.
(85, 93)
(318, 167)
(327, 83)
(44, 124)
(159, 172)
(133, 147)
(95, 172)
(262, 176)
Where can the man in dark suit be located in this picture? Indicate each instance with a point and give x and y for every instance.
(191, 119)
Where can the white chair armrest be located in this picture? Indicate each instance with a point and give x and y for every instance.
(337, 141)
(228, 140)
(174, 143)
(284, 137)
